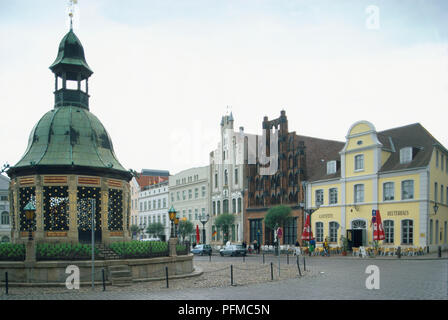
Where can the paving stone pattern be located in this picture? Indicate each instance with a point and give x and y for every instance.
(325, 278)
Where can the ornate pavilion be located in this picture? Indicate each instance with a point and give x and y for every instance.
(69, 166)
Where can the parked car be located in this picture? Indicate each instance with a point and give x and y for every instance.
(202, 249)
(233, 250)
(151, 239)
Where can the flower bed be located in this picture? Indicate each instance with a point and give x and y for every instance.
(12, 252)
(140, 249)
(64, 251)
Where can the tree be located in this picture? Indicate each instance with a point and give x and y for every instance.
(277, 217)
(225, 220)
(155, 229)
(185, 228)
(134, 230)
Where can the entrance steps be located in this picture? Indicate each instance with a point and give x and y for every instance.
(106, 253)
(120, 275)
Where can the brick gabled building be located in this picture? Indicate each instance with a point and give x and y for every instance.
(296, 158)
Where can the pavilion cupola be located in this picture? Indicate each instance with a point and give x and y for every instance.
(71, 73)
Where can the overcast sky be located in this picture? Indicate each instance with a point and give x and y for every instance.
(165, 71)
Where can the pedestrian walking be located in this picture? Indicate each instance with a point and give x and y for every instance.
(326, 248)
(297, 250)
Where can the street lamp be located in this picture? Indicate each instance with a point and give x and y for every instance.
(436, 208)
(309, 212)
(30, 211)
(174, 221)
(204, 219)
(142, 227)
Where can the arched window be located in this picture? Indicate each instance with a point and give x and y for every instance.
(359, 224)
(5, 218)
(225, 206)
(226, 177)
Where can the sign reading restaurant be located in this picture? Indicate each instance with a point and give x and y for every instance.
(398, 213)
(326, 216)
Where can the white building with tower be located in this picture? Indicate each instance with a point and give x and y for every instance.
(227, 181)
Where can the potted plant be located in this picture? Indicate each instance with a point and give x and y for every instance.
(344, 242)
(376, 246)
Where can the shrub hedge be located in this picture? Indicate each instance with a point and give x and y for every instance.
(64, 251)
(12, 252)
(139, 249)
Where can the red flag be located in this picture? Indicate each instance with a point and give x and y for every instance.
(378, 231)
(198, 238)
(307, 233)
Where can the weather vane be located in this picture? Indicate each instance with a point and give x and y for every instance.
(71, 9)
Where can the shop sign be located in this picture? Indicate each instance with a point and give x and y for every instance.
(326, 216)
(397, 213)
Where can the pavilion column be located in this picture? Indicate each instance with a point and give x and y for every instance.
(104, 210)
(72, 234)
(39, 233)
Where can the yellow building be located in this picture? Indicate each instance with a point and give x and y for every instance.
(402, 172)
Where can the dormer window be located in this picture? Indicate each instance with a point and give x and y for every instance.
(405, 155)
(331, 167)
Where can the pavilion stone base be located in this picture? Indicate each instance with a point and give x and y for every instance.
(40, 189)
(53, 273)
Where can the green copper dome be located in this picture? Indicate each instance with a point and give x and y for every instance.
(71, 59)
(70, 139)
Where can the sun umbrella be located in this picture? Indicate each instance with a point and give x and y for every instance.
(198, 238)
(307, 234)
(378, 231)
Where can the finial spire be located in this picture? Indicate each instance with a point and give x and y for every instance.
(71, 9)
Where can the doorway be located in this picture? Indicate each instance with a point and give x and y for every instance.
(359, 228)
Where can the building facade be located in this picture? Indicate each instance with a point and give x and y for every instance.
(402, 172)
(147, 177)
(153, 207)
(189, 196)
(227, 182)
(293, 158)
(5, 227)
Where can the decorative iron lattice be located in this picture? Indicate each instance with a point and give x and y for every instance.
(84, 206)
(56, 206)
(12, 206)
(115, 210)
(26, 195)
